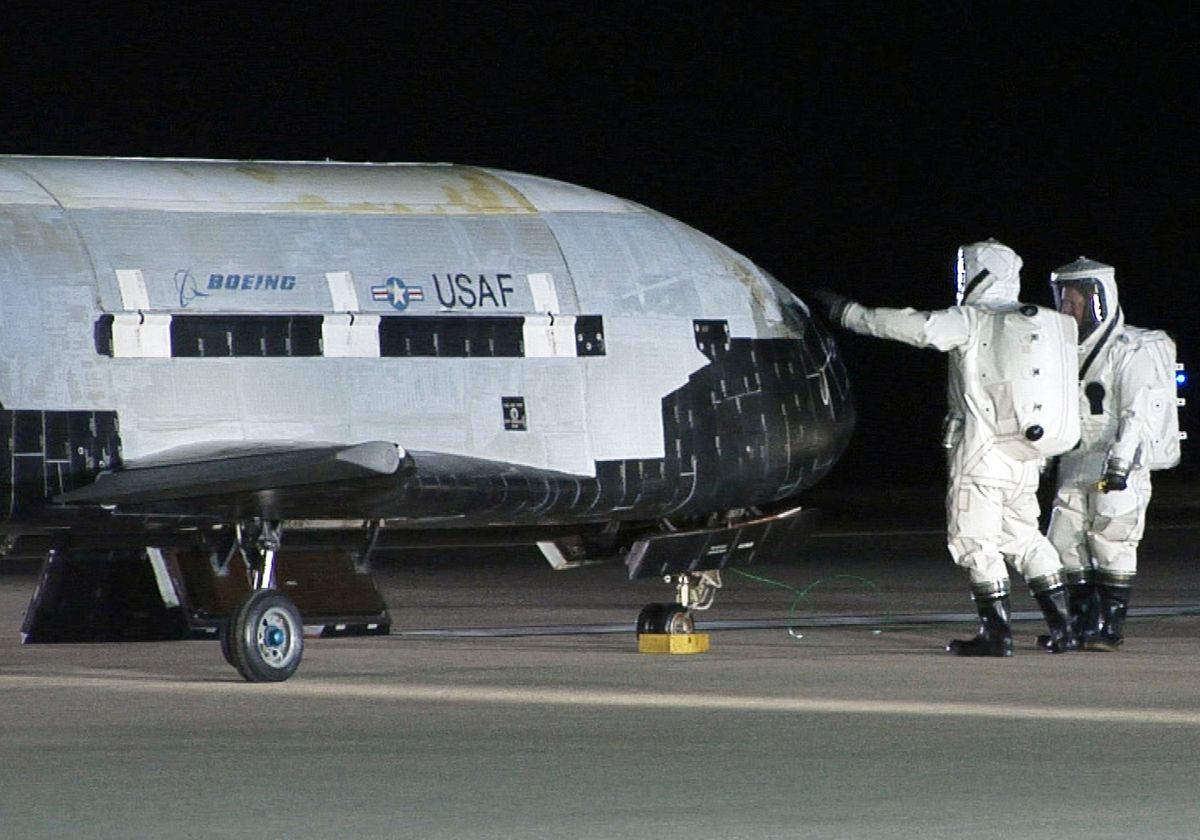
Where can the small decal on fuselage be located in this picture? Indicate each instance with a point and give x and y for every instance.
(470, 291)
(397, 293)
(185, 283)
(515, 419)
(189, 288)
(251, 282)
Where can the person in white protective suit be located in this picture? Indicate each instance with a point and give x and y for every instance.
(1099, 510)
(991, 504)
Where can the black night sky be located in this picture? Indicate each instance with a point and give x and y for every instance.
(851, 145)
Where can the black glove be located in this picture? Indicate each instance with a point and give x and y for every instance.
(1116, 476)
(831, 304)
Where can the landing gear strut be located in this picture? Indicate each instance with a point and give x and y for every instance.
(263, 638)
(693, 591)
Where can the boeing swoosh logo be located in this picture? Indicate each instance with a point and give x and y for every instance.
(185, 283)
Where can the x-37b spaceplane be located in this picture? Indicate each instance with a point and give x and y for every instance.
(224, 385)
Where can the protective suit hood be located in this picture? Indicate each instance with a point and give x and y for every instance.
(1105, 313)
(988, 274)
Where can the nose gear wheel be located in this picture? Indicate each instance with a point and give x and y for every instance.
(674, 619)
(265, 637)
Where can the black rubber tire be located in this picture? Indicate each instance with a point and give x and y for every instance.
(256, 655)
(225, 634)
(665, 618)
(650, 618)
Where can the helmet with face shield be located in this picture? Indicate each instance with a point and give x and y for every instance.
(1085, 290)
(988, 273)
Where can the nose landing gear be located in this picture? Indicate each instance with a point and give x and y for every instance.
(693, 591)
(263, 638)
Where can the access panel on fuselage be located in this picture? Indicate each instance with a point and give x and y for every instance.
(444, 321)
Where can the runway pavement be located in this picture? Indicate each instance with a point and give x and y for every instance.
(866, 730)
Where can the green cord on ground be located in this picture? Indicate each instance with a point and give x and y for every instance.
(800, 594)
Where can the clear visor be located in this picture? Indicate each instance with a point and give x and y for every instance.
(1083, 299)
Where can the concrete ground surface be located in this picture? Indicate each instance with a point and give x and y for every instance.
(862, 731)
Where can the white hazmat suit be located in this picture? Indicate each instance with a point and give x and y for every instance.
(991, 505)
(1099, 510)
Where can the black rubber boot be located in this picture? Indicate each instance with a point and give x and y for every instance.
(1083, 606)
(994, 637)
(1114, 601)
(1084, 603)
(1062, 636)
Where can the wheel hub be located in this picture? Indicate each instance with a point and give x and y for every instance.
(276, 644)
